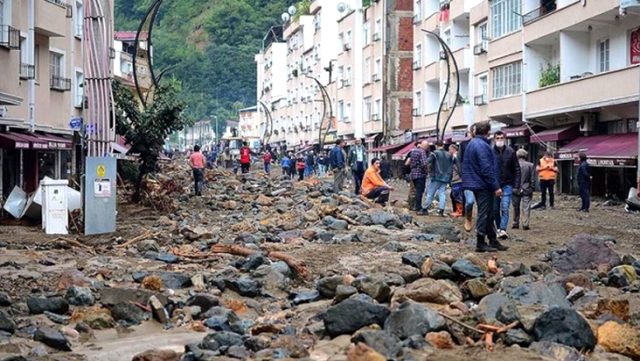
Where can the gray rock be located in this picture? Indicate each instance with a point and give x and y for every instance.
(352, 314)
(564, 326)
(238, 352)
(5, 300)
(221, 340)
(254, 261)
(245, 286)
(539, 293)
(446, 230)
(327, 286)
(336, 224)
(167, 257)
(488, 307)
(220, 319)
(441, 270)
(325, 236)
(272, 280)
(38, 305)
(378, 290)
(467, 268)
(414, 259)
(148, 245)
(80, 296)
(556, 351)
(575, 294)
(636, 265)
(584, 251)
(508, 313)
(476, 288)
(386, 219)
(621, 276)
(343, 292)
(514, 270)
(517, 337)
(6, 323)
(383, 342)
(304, 296)
(394, 246)
(56, 318)
(426, 237)
(282, 267)
(128, 314)
(257, 343)
(175, 280)
(203, 300)
(52, 338)
(413, 319)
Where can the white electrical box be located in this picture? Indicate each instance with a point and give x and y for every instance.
(55, 216)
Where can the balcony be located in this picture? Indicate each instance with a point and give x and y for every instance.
(59, 83)
(51, 18)
(9, 37)
(531, 16)
(479, 100)
(586, 93)
(27, 71)
(463, 58)
(510, 106)
(432, 72)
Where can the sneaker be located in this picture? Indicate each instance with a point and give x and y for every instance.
(502, 234)
(539, 206)
(497, 245)
(515, 226)
(422, 212)
(441, 212)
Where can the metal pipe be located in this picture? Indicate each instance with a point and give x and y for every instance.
(31, 48)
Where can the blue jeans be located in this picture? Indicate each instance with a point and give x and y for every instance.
(441, 188)
(308, 170)
(322, 169)
(267, 167)
(469, 200)
(501, 208)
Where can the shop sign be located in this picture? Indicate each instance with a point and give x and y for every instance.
(634, 46)
(516, 133)
(75, 123)
(610, 162)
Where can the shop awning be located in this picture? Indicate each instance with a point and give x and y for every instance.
(388, 147)
(35, 142)
(616, 150)
(55, 141)
(12, 141)
(554, 135)
(399, 155)
(517, 131)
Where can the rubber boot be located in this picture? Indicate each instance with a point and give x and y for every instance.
(458, 211)
(468, 221)
(481, 246)
(493, 243)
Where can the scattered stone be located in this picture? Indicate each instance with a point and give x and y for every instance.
(446, 230)
(128, 314)
(38, 305)
(6, 323)
(327, 286)
(245, 286)
(239, 352)
(394, 246)
(622, 339)
(99, 319)
(378, 290)
(440, 270)
(386, 219)
(362, 352)
(5, 300)
(175, 280)
(293, 346)
(517, 337)
(441, 340)
(488, 307)
(428, 290)
(157, 355)
(343, 292)
(584, 251)
(467, 268)
(514, 269)
(556, 351)
(221, 339)
(148, 245)
(508, 313)
(414, 259)
(476, 288)
(158, 310)
(52, 338)
(575, 294)
(253, 262)
(352, 314)
(304, 296)
(622, 276)
(540, 293)
(383, 342)
(564, 326)
(413, 319)
(203, 300)
(167, 257)
(80, 296)
(56, 318)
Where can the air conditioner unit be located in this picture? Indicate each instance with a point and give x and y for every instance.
(376, 36)
(443, 55)
(346, 46)
(479, 49)
(346, 119)
(375, 117)
(588, 122)
(346, 82)
(376, 77)
(416, 65)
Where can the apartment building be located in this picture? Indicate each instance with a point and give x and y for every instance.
(41, 97)
(248, 122)
(124, 47)
(560, 75)
(347, 66)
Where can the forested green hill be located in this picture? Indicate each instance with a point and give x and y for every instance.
(210, 47)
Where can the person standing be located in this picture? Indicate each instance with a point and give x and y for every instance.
(480, 175)
(266, 159)
(373, 186)
(197, 163)
(440, 168)
(385, 167)
(245, 157)
(509, 171)
(584, 182)
(457, 197)
(300, 166)
(419, 164)
(469, 198)
(309, 164)
(338, 165)
(524, 191)
(547, 173)
(285, 163)
(322, 164)
(406, 172)
(292, 166)
(358, 163)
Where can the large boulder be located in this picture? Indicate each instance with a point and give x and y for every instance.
(383, 342)
(52, 338)
(428, 290)
(413, 319)
(584, 252)
(622, 339)
(6, 323)
(540, 293)
(564, 326)
(38, 305)
(467, 269)
(352, 314)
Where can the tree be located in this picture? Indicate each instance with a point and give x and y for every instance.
(146, 129)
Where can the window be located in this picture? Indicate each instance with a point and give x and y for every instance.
(347, 38)
(417, 7)
(481, 95)
(483, 85)
(366, 108)
(447, 37)
(36, 61)
(378, 111)
(347, 74)
(340, 42)
(483, 36)
(56, 64)
(417, 57)
(78, 20)
(507, 80)
(366, 76)
(505, 17)
(78, 90)
(379, 67)
(5, 19)
(340, 74)
(378, 30)
(417, 104)
(365, 34)
(603, 55)
(341, 110)
(348, 112)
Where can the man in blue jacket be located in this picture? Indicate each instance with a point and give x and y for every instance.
(338, 165)
(440, 169)
(480, 175)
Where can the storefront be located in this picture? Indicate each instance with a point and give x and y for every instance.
(613, 159)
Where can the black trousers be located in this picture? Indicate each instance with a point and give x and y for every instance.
(379, 195)
(420, 185)
(198, 178)
(358, 174)
(546, 185)
(300, 174)
(585, 196)
(245, 167)
(484, 224)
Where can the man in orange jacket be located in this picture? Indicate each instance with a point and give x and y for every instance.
(373, 186)
(547, 173)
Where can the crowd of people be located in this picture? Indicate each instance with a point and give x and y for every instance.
(480, 172)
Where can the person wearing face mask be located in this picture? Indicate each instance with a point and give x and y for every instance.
(509, 176)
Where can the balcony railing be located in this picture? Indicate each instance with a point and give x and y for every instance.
(9, 37)
(549, 7)
(60, 3)
(480, 99)
(59, 83)
(27, 71)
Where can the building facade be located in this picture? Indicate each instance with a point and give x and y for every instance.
(41, 96)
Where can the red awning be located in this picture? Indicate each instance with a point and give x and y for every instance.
(13, 141)
(399, 155)
(554, 135)
(517, 131)
(55, 141)
(387, 147)
(616, 150)
(34, 140)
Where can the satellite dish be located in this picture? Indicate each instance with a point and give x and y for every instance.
(341, 7)
(291, 10)
(285, 17)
